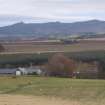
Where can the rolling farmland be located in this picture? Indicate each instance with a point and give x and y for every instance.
(53, 47)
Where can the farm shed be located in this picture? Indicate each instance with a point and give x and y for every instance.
(7, 71)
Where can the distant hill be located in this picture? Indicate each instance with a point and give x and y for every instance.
(54, 28)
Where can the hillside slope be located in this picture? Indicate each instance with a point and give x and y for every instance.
(54, 28)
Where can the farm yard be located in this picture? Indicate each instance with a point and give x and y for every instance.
(53, 91)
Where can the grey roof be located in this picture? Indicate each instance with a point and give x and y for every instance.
(31, 70)
(12, 71)
(7, 71)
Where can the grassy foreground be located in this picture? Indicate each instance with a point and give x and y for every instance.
(73, 89)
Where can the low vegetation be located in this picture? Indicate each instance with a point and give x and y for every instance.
(15, 60)
(21, 58)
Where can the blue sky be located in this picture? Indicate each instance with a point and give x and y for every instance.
(12, 11)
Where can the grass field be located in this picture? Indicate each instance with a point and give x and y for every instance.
(71, 89)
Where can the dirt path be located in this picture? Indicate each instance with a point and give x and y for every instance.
(31, 100)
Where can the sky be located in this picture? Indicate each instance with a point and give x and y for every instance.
(32, 11)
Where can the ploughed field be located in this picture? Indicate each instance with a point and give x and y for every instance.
(51, 91)
(53, 47)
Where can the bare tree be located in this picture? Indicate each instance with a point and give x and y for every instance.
(59, 65)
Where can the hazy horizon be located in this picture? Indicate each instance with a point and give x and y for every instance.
(42, 11)
(22, 22)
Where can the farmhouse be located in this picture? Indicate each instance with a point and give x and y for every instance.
(30, 70)
(20, 71)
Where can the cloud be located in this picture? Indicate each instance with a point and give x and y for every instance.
(51, 10)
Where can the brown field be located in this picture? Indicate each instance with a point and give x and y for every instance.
(35, 100)
(32, 100)
(40, 48)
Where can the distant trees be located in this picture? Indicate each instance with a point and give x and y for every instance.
(101, 74)
(59, 65)
(2, 48)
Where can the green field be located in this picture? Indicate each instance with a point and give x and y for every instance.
(72, 89)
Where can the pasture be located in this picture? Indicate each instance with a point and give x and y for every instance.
(84, 92)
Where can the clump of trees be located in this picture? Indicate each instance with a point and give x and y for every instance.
(2, 48)
(60, 65)
(101, 73)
